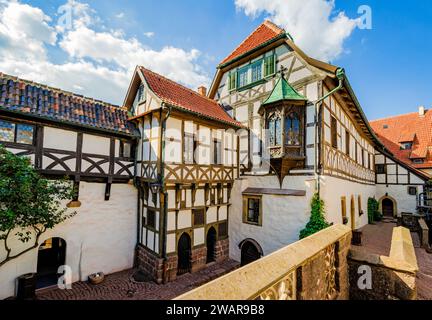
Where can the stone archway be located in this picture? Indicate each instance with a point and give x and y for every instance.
(250, 251)
(388, 206)
(51, 255)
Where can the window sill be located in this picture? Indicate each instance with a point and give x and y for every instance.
(250, 85)
(252, 223)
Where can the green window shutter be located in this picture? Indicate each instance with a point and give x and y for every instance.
(232, 81)
(269, 66)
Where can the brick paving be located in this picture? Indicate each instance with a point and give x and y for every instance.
(122, 286)
(377, 239)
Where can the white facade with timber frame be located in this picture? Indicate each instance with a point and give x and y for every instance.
(304, 118)
(186, 165)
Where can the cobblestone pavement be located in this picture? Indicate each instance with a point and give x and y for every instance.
(377, 239)
(121, 286)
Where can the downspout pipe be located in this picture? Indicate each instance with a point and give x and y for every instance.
(164, 191)
(340, 75)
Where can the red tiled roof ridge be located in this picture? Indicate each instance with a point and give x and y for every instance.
(180, 86)
(223, 116)
(58, 90)
(267, 23)
(398, 116)
(273, 26)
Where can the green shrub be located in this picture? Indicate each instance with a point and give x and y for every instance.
(317, 221)
(373, 213)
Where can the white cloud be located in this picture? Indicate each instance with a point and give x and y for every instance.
(24, 31)
(98, 64)
(314, 24)
(120, 15)
(149, 34)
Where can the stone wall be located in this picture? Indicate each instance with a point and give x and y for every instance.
(198, 258)
(222, 250)
(392, 277)
(150, 263)
(312, 268)
(165, 270)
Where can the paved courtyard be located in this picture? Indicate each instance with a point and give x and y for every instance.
(377, 239)
(122, 286)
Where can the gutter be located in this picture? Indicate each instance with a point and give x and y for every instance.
(340, 74)
(363, 116)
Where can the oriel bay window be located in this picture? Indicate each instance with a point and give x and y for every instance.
(285, 138)
(16, 132)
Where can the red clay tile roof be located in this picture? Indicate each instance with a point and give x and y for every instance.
(34, 99)
(264, 33)
(394, 130)
(179, 96)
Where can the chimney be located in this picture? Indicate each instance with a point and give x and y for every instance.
(421, 111)
(202, 91)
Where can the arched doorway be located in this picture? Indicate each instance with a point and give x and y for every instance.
(184, 254)
(211, 245)
(250, 251)
(387, 207)
(51, 255)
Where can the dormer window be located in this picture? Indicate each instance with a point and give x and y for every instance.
(418, 161)
(406, 145)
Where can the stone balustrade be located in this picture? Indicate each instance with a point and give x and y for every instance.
(424, 233)
(314, 268)
(392, 277)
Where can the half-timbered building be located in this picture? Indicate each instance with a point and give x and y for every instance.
(91, 143)
(186, 167)
(307, 134)
(183, 179)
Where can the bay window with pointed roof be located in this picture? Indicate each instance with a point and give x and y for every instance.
(284, 114)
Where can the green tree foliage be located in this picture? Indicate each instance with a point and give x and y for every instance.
(317, 221)
(29, 203)
(373, 213)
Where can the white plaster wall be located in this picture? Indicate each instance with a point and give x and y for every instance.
(333, 189)
(59, 139)
(96, 145)
(173, 140)
(101, 237)
(404, 201)
(283, 216)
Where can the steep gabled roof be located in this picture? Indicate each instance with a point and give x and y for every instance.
(265, 32)
(47, 103)
(410, 127)
(186, 99)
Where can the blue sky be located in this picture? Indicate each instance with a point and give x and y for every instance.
(388, 66)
